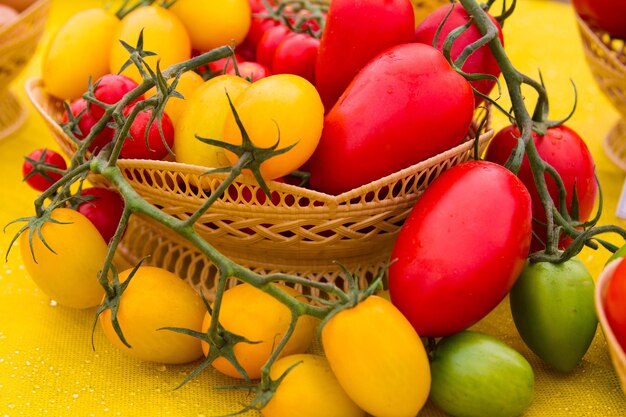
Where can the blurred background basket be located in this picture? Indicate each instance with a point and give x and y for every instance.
(18, 41)
(618, 357)
(606, 57)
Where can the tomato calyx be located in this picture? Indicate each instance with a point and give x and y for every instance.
(308, 16)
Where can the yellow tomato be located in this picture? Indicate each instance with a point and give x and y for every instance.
(285, 107)
(214, 23)
(259, 317)
(378, 358)
(69, 275)
(156, 298)
(67, 63)
(203, 114)
(163, 34)
(188, 83)
(309, 390)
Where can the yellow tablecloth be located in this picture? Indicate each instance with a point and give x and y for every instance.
(47, 365)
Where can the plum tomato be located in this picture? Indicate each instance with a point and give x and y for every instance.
(476, 204)
(42, 179)
(104, 208)
(614, 306)
(296, 54)
(266, 48)
(155, 146)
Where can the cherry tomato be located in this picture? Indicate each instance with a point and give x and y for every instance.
(563, 149)
(268, 43)
(309, 390)
(406, 105)
(110, 89)
(42, 181)
(203, 115)
(607, 15)
(63, 75)
(86, 120)
(214, 23)
(154, 299)
(439, 280)
(259, 317)
(378, 358)
(258, 27)
(163, 33)
(251, 71)
(104, 208)
(157, 146)
(480, 61)
(69, 275)
(284, 108)
(296, 55)
(614, 306)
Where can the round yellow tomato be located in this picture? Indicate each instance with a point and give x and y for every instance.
(69, 275)
(188, 83)
(378, 358)
(214, 23)
(309, 390)
(282, 106)
(203, 114)
(156, 298)
(66, 66)
(259, 317)
(163, 34)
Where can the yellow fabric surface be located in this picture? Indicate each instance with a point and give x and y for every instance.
(47, 365)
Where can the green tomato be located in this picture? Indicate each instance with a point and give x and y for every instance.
(476, 375)
(554, 311)
(620, 253)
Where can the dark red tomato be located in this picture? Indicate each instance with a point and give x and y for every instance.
(297, 55)
(269, 43)
(405, 106)
(481, 61)
(355, 32)
(607, 15)
(42, 179)
(258, 27)
(110, 89)
(614, 305)
(135, 146)
(86, 121)
(461, 249)
(252, 71)
(568, 154)
(104, 208)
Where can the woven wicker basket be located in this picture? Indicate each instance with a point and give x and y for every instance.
(18, 41)
(618, 357)
(297, 231)
(606, 57)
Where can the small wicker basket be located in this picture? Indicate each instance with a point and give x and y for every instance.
(297, 230)
(18, 41)
(606, 57)
(618, 356)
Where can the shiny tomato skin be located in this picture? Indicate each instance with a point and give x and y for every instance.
(481, 61)
(110, 89)
(355, 32)
(104, 210)
(614, 305)
(251, 71)
(461, 249)
(563, 149)
(297, 55)
(38, 181)
(157, 146)
(269, 42)
(608, 15)
(378, 358)
(86, 120)
(405, 106)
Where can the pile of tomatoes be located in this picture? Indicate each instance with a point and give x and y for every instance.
(352, 106)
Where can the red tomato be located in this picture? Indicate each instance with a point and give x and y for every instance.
(41, 181)
(86, 120)
(355, 32)
(297, 55)
(481, 61)
(104, 209)
(258, 27)
(252, 71)
(405, 106)
(461, 249)
(269, 43)
(614, 305)
(222, 65)
(568, 154)
(135, 146)
(607, 15)
(110, 89)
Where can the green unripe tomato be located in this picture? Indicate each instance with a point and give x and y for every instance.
(476, 375)
(620, 253)
(554, 311)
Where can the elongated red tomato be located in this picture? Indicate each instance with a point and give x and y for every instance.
(405, 106)
(461, 248)
(355, 32)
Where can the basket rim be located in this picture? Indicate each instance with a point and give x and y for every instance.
(595, 36)
(34, 85)
(601, 284)
(27, 12)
